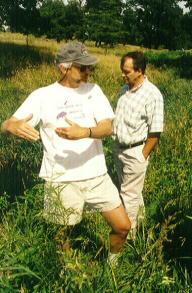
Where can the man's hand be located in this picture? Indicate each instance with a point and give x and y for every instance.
(150, 144)
(73, 132)
(20, 128)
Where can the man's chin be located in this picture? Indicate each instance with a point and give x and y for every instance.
(80, 82)
(126, 81)
(84, 80)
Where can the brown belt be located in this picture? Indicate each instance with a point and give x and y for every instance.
(129, 146)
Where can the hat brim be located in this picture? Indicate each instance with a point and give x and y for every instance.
(87, 60)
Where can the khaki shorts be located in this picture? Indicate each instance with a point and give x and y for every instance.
(65, 201)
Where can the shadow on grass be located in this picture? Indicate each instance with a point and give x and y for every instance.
(180, 247)
(87, 239)
(182, 63)
(15, 57)
(18, 171)
(177, 244)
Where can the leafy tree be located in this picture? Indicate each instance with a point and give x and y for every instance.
(21, 15)
(3, 14)
(75, 19)
(188, 3)
(157, 20)
(149, 23)
(81, 3)
(60, 21)
(186, 24)
(131, 33)
(104, 21)
(93, 4)
(52, 19)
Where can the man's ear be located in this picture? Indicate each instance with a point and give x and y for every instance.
(63, 69)
(140, 70)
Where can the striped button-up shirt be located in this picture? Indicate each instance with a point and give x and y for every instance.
(138, 113)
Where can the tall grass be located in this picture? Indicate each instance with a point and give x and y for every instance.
(159, 259)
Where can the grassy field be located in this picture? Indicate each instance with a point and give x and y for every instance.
(31, 258)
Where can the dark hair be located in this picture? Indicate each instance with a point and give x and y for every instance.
(139, 61)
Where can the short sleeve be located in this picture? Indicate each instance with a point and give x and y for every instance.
(101, 106)
(157, 113)
(30, 106)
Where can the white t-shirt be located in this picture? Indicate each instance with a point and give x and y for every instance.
(64, 159)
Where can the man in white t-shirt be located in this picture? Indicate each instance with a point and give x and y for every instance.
(73, 116)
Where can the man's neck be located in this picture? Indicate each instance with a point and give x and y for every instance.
(137, 83)
(65, 82)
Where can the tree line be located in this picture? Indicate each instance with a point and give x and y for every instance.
(149, 23)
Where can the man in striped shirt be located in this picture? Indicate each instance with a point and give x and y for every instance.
(137, 128)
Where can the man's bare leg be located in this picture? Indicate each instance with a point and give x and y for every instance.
(120, 224)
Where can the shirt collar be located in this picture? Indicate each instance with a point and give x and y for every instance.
(140, 85)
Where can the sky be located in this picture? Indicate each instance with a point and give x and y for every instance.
(181, 3)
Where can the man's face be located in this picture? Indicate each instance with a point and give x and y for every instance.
(78, 74)
(129, 74)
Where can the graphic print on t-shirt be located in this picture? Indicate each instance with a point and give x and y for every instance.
(71, 111)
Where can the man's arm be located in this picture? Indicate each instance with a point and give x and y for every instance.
(20, 128)
(103, 129)
(151, 143)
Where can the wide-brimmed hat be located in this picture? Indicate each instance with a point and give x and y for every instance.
(75, 52)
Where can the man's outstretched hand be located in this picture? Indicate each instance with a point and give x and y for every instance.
(20, 128)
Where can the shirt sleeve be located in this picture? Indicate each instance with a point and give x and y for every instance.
(101, 106)
(157, 113)
(30, 106)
